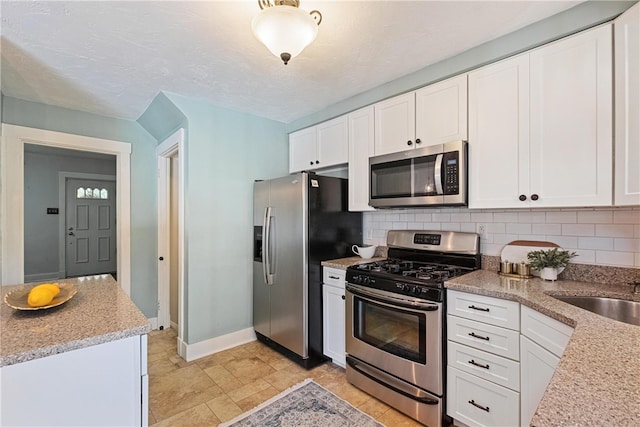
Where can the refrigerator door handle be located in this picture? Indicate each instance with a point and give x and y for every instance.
(266, 246)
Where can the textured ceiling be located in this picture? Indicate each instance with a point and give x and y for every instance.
(112, 58)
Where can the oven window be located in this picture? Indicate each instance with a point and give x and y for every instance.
(394, 330)
(391, 179)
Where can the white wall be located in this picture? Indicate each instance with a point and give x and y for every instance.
(602, 236)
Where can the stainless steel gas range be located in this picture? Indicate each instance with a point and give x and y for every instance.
(395, 319)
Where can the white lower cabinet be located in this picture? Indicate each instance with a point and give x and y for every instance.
(497, 370)
(537, 368)
(333, 312)
(105, 384)
(477, 402)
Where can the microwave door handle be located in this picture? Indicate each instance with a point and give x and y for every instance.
(266, 247)
(437, 172)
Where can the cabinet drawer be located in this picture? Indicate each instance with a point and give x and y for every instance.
(333, 276)
(494, 311)
(545, 331)
(477, 402)
(499, 370)
(500, 341)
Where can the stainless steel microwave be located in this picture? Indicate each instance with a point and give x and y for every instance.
(431, 176)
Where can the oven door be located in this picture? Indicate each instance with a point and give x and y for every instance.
(397, 334)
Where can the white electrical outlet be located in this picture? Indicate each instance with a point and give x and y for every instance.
(481, 229)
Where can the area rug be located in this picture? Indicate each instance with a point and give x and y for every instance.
(307, 404)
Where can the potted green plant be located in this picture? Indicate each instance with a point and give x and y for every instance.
(548, 261)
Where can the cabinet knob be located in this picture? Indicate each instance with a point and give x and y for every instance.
(343, 297)
(522, 197)
(409, 142)
(317, 162)
(161, 258)
(311, 163)
(534, 197)
(418, 141)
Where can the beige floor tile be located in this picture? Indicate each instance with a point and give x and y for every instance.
(257, 398)
(247, 370)
(180, 390)
(374, 407)
(197, 416)
(283, 379)
(393, 418)
(223, 378)
(224, 408)
(247, 390)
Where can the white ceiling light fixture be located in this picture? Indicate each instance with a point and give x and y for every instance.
(284, 28)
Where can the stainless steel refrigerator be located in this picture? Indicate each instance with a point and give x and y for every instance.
(299, 221)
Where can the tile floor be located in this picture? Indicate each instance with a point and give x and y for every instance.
(217, 388)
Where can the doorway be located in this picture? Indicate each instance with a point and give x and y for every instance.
(14, 138)
(171, 236)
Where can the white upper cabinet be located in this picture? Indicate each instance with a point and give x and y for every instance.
(571, 151)
(361, 147)
(319, 146)
(441, 111)
(395, 124)
(435, 114)
(498, 133)
(627, 99)
(540, 126)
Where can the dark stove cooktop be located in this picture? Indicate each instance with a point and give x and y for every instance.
(427, 272)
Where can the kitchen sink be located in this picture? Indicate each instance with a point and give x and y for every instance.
(613, 308)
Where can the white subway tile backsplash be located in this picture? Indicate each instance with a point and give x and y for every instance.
(614, 230)
(516, 228)
(627, 245)
(627, 217)
(578, 229)
(622, 259)
(546, 228)
(595, 217)
(597, 243)
(441, 217)
(562, 217)
(606, 236)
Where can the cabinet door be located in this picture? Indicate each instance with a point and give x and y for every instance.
(571, 121)
(302, 150)
(499, 134)
(334, 324)
(361, 147)
(627, 99)
(395, 127)
(441, 111)
(333, 145)
(537, 366)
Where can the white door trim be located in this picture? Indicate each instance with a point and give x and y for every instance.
(12, 194)
(62, 212)
(171, 146)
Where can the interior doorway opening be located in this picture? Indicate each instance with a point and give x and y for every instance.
(171, 236)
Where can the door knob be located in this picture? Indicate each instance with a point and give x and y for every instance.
(71, 233)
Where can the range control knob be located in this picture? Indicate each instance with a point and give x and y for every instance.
(401, 286)
(366, 281)
(417, 290)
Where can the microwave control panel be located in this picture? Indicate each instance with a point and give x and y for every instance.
(451, 184)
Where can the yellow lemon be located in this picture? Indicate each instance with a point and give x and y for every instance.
(51, 286)
(40, 296)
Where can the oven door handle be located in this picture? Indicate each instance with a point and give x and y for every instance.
(391, 382)
(398, 302)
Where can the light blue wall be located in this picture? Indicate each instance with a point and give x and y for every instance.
(226, 152)
(162, 118)
(143, 180)
(580, 17)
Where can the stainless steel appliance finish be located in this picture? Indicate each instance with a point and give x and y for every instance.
(299, 221)
(431, 176)
(395, 319)
(614, 308)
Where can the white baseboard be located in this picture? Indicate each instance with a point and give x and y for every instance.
(214, 345)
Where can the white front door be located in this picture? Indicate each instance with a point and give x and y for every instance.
(90, 227)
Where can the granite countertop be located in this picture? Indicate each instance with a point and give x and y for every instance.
(100, 312)
(343, 263)
(597, 381)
